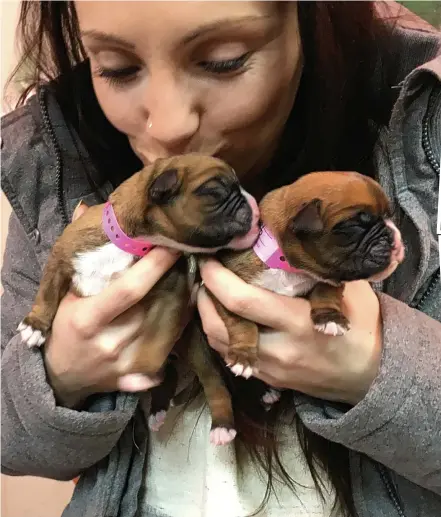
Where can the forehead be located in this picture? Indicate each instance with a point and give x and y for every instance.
(341, 192)
(193, 167)
(156, 21)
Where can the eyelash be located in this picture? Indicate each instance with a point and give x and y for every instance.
(118, 76)
(224, 67)
(125, 75)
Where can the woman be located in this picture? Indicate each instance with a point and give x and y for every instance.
(277, 90)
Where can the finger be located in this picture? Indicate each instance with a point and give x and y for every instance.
(278, 349)
(220, 346)
(120, 332)
(80, 209)
(212, 323)
(268, 379)
(137, 382)
(354, 292)
(127, 290)
(251, 302)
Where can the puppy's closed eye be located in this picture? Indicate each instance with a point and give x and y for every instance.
(360, 222)
(217, 188)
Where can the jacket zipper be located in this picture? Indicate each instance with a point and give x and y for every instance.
(57, 151)
(391, 489)
(436, 166)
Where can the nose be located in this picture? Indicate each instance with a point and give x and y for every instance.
(398, 250)
(244, 214)
(172, 116)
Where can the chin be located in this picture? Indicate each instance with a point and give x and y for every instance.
(382, 275)
(246, 241)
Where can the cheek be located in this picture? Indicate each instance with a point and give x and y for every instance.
(121, 106)
(262, 98)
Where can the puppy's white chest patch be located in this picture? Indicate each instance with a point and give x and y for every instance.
(94, 269)
(283, 282)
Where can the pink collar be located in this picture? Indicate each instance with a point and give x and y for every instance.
(267, 249)
(112, 229)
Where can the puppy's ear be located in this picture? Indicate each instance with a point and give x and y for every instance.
(308, 219)
(164, 187)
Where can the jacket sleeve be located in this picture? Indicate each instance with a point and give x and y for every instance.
(38, 437)
(398, 423)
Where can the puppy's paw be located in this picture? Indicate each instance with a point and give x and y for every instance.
(242, 362)
(330, 322)
(240, 369)
(270, 397)
(222, 435)
(156, 420)
(32, 332)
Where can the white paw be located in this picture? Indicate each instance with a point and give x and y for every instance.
(30, 336)
(222, 435)
(331, 329)
(156, 420)
(271, 396)
(240, 369)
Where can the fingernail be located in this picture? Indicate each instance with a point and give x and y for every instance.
(81, 202)
(202, 293)
(80, 205)
(205, 261)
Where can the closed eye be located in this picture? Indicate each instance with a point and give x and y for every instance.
(225, 66)
(216, 188)
(217, 193)
(118, 76)
(358, 223)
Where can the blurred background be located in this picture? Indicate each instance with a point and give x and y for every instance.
(36, 497)
(430, 11)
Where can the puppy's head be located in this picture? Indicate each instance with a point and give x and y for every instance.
(336, 226)
(194, 203)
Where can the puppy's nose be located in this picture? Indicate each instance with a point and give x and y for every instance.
(244, 214)
(397, 246)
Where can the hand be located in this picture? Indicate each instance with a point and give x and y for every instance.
(83, 353)
(292, 354)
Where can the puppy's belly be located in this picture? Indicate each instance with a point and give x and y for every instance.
(95, 269)
(283, 282)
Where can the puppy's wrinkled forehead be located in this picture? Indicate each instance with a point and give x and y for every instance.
(194, 170)
(343, 194)
(353, 192)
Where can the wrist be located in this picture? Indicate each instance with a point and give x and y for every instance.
(64, 395)
(367, 377)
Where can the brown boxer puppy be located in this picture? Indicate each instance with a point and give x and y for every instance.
(191, 203)
(325, 229)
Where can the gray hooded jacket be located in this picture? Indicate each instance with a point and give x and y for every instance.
(393, 434)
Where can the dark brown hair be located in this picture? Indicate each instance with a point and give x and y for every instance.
(344, 44)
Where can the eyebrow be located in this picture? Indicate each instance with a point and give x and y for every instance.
(110, 39)
(197, 33)
(221, 24)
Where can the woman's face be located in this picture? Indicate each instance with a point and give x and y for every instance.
(217, 78)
